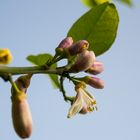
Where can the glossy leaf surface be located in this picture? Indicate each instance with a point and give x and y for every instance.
(98, 26)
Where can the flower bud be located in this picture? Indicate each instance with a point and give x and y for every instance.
(94, 82)
(65, 43)
(96, 68)
(21, 116)
(83, 61)
(78, 47)
(5, 56)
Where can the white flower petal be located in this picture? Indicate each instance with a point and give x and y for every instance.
(83, 100)
(76, 106)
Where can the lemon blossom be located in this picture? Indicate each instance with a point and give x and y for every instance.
(83, 102)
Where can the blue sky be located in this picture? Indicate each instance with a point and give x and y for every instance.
(37, 26)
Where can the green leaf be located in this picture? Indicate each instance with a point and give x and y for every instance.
(128, 2)
(92, 3)
(98, 26)
(42, 59)
(54, 78)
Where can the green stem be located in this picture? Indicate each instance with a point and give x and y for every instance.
(66, 98)
(55, 59)
(75, 81)
(29, 70)
(13, 84)
(62, 88)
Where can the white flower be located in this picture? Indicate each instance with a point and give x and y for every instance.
(83, 102)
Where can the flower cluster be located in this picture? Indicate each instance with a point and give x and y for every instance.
(81, 59)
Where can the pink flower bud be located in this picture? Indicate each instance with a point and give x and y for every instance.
(21, 116)
(65, 43)
(94, 82)
(78, 47)
(96, 68)
(83, 62)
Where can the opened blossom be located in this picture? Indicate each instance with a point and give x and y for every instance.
(83, 102)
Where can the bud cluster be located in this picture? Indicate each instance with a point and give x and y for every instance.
(78, 55)
(81, 59)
